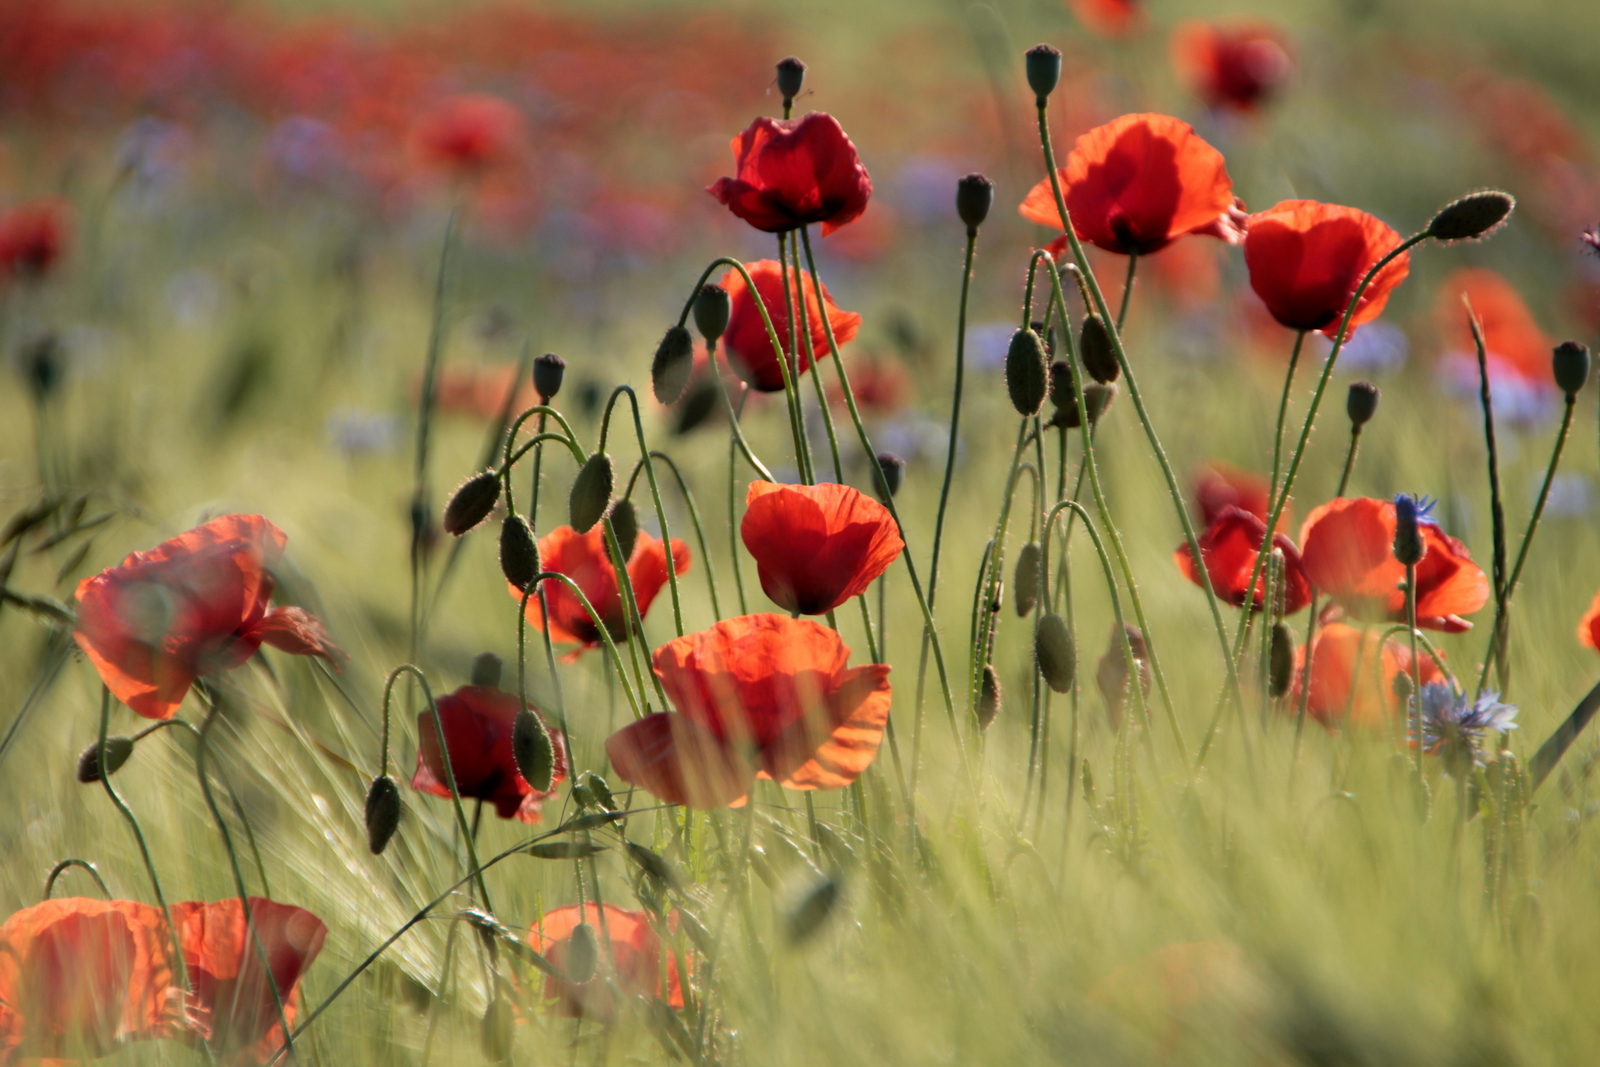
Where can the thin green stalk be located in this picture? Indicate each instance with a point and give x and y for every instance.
(955, 417)
(733, 513)
(1283, 414)
(694, 520)
(430, 372)
(1127, 290)
(1416, 664)
(816, 376)
(655, 496)
(1497, 511)
(67, 864)
(792, 372)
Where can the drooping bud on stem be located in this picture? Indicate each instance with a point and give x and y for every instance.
(1408, 544)
(1094, 348)
(548, 371)
(1026, 373)
(1064, 395)
(1043, 63)
(894, 470)
(625, 523)
(1280, 665)
(533, 749)
(1472, 217)
(1097, 398)
(791, 79)
(1055, 652)
(1361, 403)
(1570, 364)
(712, 307)
(382, 813)
(519, 553)
(499, 1029)
(1029, 561)
(591, 493)
(672, 365)
(974, 198)
(598, 790)
(118, 749)
(471, 503)
(583, 951)
(988, 697)
(486, 670)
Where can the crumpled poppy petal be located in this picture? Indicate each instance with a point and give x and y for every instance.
(679, 761)
(863, 700)
(300, 633)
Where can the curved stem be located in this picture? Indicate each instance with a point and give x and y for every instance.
(694, 519)
(738, 439)
(66, 864)
(955, 414)
(1497, 511)
(655, 496)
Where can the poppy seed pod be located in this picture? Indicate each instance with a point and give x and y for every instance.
(1570, 364)
(894, 470)
(591, 493)
(382, 813)
(498, 1030)
(791, 79)
(1097, 398)
(625, 524)
(988, 697)
(1474, 216)
(548, 370)
(1280, 664)
(672, 365)
(1094, 348)
(486, 670)
(534, 750)
(974, 198)
(1043, 63)
(1408, 545)
(519, 554)
(1064, 388)
(471, 503)
(1361, 403)
(1029, 561)
(583, 952)
(1026, 375)
(1055, 653)
(599, 791)
(712, 308)
(118, 749)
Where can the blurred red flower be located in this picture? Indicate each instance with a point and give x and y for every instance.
(879, 385)
(1347, 550)
(477, 723)
(33, 238)
(1351, 679)
(1230, 66)
(1108, 18)
(1589, 625)
(1512, 339)
(749, 349)
(586, 560)
(793, 172)
(467, 135)
(626, 942)
(191, 606)
(758, 695)
(816, 546)
(1219, 486)
(1136, 184)
(1306, 259)
(1230, 546)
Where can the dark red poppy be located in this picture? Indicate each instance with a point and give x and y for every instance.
(793, 172)
(191, 606)
(1218, 486)
(816, 546)
(749, 348)
(1306, 259)
(1352, 680)
(1230, 66)
(587, 561)
(33, 238)
(1137, 184)
(759, 695)
(477, 726)
(1108, 18)
(1229, 547)
(225, 971)
(1589, 625)
(1347, 551)
(468, 135)
(79, 978)
(627, 942)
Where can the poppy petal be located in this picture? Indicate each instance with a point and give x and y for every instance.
(679, 761)
(300, 633)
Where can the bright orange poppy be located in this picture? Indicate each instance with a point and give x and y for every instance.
(1108, 18)
(1347, 544)
(468, 135)
(1306, 259)
(1229, 547)
(816, 546)
(627, 942)
(749, 349)
(793, 172)
(1351, 681)
(758, 695)
(191, 606)
(1589, 625)
(587, 561)
(1230, 66)
(477, 723)
(1137, 184)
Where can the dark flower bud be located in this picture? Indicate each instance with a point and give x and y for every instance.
(625, 524)
(988, 697)
(471, 503)
(1044, 71)
(697, 407)
(118, 749)
(1361, 403)
(383, 813)
(1064, 387)
(812, 910)
(1026, 375)
(1408, 545)
(1402, 687)
(583, 952)
(498, 1030)
(1055, 653)
(974, 198)
(591, 493)
(1098, 397)
(519, 553)
(791, 78)
(599, 791)
(486, 671)
(1029, 561)
(548, 370)
(894, 471)
(1094, 348)
(1474, 216)
(1570, 363)
(41, 362)
(672, 365)
(712, 307)
(533, 750)
(1280, 664)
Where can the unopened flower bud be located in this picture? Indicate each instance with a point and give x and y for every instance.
(1402, 687)
(988, 697)
(41, 361)
(486, 670)
(471, 503)
(1055, 653)
(1570, 363)
(1474, 216)
(583, 952)
(1408, 544)
(533, 749)
(712, 307)
(591, 493)
(118, 749)
(548, 370)
(1026, 373)
(974, 198)
(1043, 63)
(791, 78)
(1280, 664)
(599, 791)
(519, 553)
(383, 813)
(1029, 561)
(625, 523)
(499, 1029)
(894, 470)
(1361, 403)
(1097, 398)
(672, 365)
(1094, 348)
(1063, 386)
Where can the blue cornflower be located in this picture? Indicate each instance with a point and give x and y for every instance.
(1453, 724)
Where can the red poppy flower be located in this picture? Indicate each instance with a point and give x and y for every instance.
(758, 695)
(793, 172)
(1589, 625)
(33, 238)
(1351, 680)
(627, 942)
(587, 561)
(1219, 486)
(81, 978)
(1237, 66)
(1230, 546)
(477, 726)
(1137, 184)
(468, 135)
(1108, 18)
(1306, 259)
(1347, 551)
(225, 970)
(194, 605)
(746, 343)
(816, 546)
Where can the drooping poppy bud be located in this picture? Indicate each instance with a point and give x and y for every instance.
(41, 364)
(498, 1029)
(382, 813)
(1280, 662)
(1570, 364)
(1472, 217)
(988, 697)
(1361, 403)
(712, 306)
(582, 954)
(1029, 561)
(625, 524)
(1026, 374)
(534, 750)
(697, 407)
(791, 79)
(1055, 652)
(1094, 348)
(548, 371)
(672, 365)
(1408, 545)
(1097, 397)
(599, 791)
(591, 493)
(1043, 64)
(519, 555)
(894, 470)
(486, 670)
(471, 503)
(974, 198)
(118, 748)
(1063, 386)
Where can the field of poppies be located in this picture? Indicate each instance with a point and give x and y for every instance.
(701, 533)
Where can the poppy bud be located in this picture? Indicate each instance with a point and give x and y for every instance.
(499, 1028)
(486, 671)
(383, 813)
(653, 864)
(894, 470)
(591, 493)
(625, 523)
(1097, 397)
(809, 914)
(581, 796)
(548, 370)
(1055, 653)
(118, 749)
(988, 697)
(1280, 665)
(41, 359)
(583, 952)
(1362, 403)
(712, 308)
(974, 198)
(1408, 546)
(1026, 376)
(697, 407)
(1064, 387)
(533, 749)
(1044, 71)
(1474, 216)
(1094, 348)
(471, 503)
(672, 365)
(519, 553)
(1401, 687)
(599, 791)
(1571, 366)
(791, 77)
(1029, 560)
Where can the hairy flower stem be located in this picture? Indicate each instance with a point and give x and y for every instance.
(656, 455)
(1497, 510)
(1127, 290)
(1416, 664)
(791, 370)
(63, 866)
(430, 374)
(655, 498)
(1283, 415)
(816, 375)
